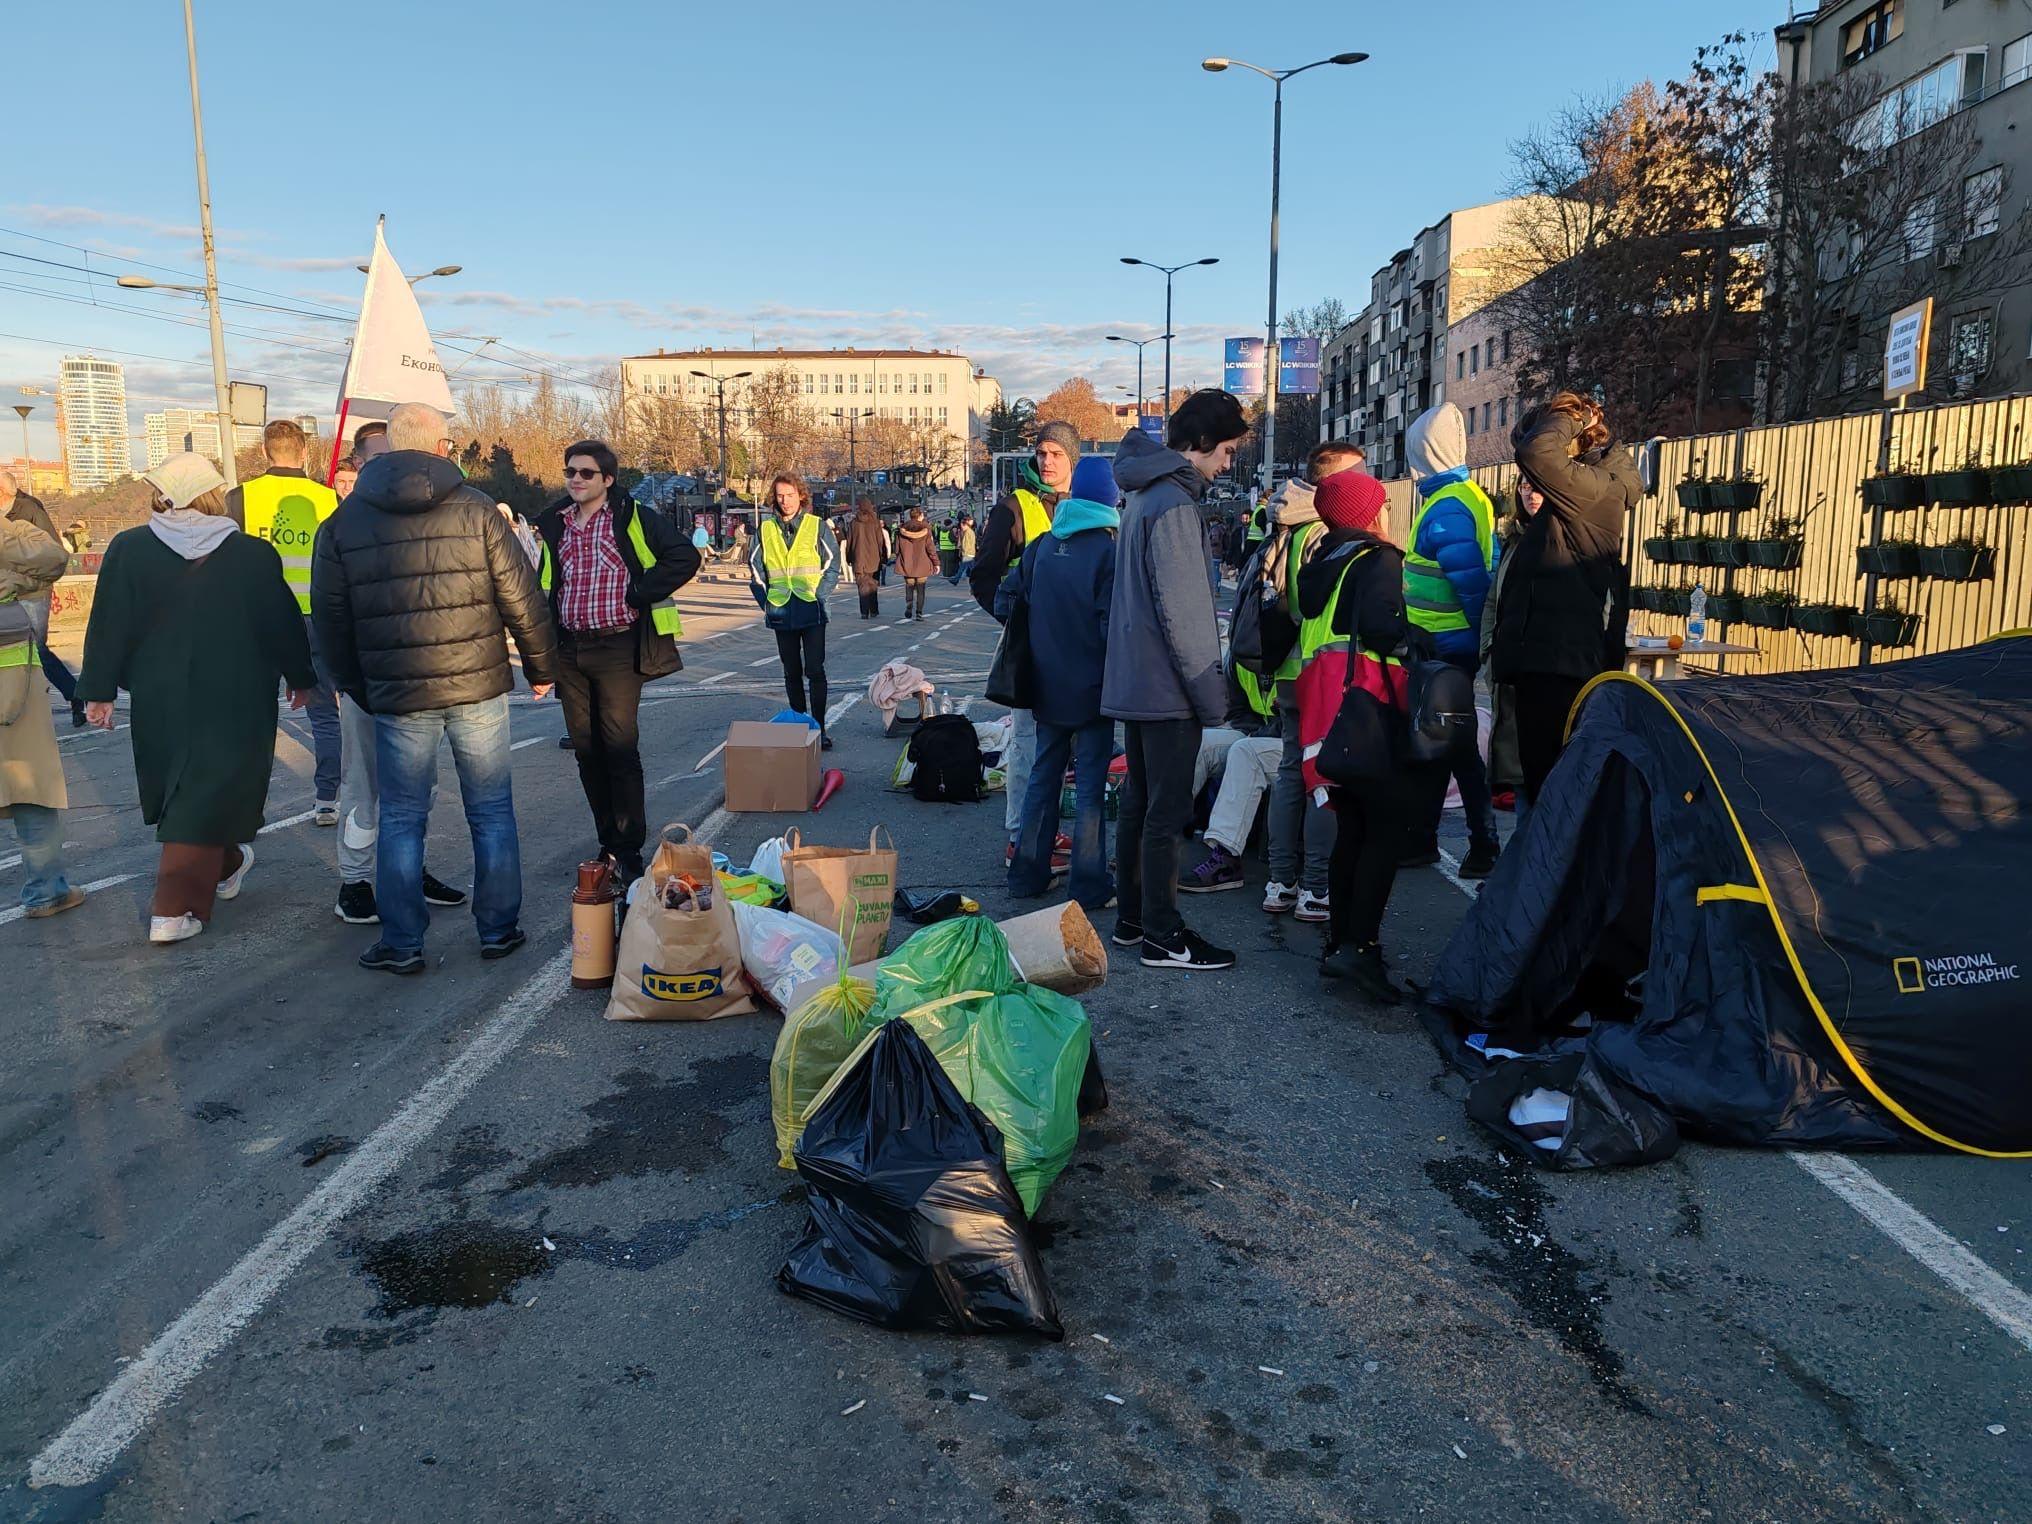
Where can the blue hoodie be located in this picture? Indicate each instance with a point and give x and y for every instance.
(1068, 579)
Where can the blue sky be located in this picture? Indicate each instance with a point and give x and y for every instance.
(616, 175)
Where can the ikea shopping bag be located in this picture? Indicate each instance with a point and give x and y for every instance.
(684, 964)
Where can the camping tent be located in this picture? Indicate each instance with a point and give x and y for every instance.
(1793, 905)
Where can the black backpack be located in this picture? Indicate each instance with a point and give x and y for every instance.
(1262, 632)
(946, 756)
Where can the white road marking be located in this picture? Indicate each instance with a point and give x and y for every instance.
(718, 677)
(531, 741)
(15, 861)
(150, 1381)
(7, 917)
(285, 823)
(88, 733)
(763, 661)
(1897, 1219)
(853, 635)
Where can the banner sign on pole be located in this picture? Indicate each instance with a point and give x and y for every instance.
(1242, 367)
(1298, 367)
(1905, 346)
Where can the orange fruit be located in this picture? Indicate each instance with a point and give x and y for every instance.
(1674, 642)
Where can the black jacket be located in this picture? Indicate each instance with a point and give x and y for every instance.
(1000, 545)
(414, 584)
(674, 562)
(1565, 599)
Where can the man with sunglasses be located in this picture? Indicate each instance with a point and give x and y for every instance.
(610, 570)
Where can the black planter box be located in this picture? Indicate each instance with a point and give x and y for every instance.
(1886, 629)
(1960, 489)
(1887, 560)
(2011, 484)
(1711, 552)
(1645, 598)
(1766, 616)
(1733, 496)
(1674, 600)
(1894, 491)
(1958, 563)
(1659, 549)
(1732, 552)
(1837, 619)
(1685, 550)
(1725, 608)
(1775, 555)
(1693, 496)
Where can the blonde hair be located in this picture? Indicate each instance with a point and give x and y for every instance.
(212, 503)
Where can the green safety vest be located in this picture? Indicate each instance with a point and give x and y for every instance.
(946, 540)
(286, 511)
(1036, 517)
(1259, 691)
(1259, 524)
(794, 568)
(1318, 634)
(1294, 559)
(663, 615)
(1429, 599)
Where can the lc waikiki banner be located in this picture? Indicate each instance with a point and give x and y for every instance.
(1297, 370)
(393, 360)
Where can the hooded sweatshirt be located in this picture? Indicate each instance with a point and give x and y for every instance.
(1164, 649)
(1068, 580)
(1436, 447)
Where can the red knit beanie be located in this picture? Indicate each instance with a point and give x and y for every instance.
(1350, 500)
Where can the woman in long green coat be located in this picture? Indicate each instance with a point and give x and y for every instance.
(193, 618)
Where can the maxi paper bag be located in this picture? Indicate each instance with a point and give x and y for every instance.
(679, 964)
(822, 880)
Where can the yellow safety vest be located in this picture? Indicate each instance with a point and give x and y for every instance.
(1429, 599)
(1036, 517)
(794, 568)
(662, 614)
(1318, 634)
(286, 511)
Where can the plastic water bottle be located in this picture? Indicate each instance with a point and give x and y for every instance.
(1696, 617)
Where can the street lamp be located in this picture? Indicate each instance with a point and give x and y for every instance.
(1116, 338)
(27, 455)
(440, 270)
(720, 386)
(1169, 271)
(850, 419)
(1270, 355)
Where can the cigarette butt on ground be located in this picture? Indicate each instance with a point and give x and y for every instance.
(850, 1411)
(1271, 1370)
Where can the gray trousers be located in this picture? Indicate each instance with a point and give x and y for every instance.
(1016, 763)
(1297, 825)
(359, 795)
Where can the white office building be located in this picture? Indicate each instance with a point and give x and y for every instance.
(91, 417)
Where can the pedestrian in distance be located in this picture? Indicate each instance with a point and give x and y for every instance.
(1020, 516)
(867, 549)
(32, 791)
(345, 476)
(1565, 603)
(285, 507)
(1449, 565)
(195, 620)
(416, 585)
(970, 544)
(24, 507)
(791, 572)
(916, 561)
(1353, 634)
(610, 569)
(1067, 580)
(369, 440)
(1164, 666)
(948, 549)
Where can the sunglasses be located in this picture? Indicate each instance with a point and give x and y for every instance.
(581, 473)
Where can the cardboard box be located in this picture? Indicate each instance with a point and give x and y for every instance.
(771, 767)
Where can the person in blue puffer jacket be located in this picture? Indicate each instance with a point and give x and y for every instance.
(1449, 567)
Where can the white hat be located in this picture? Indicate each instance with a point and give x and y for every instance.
(184, 478)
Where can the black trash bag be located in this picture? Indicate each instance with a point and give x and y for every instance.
(930, 907)
(1093, 1094)
(1607, 1123)
(914, 1223)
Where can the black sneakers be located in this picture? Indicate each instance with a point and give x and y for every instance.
(1128, 934)
(508, 942)
(1187, 950)
(1481, 860)
(435, 893)
(384, 959)
(1363, 968)
(356, 905)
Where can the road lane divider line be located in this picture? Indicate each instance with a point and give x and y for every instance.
(154, 1378)
(90, 733)
(7, 917)
(285, 823)
(763, 661)
(1896, 1218)
(531, 741)
(717, 677)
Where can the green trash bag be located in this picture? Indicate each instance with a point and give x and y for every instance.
(969, 953)
(811, 1048)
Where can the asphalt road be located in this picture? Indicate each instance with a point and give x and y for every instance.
(272, 1229)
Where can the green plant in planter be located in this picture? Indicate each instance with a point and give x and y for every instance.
(1725, 608)
(1893, 558)
(1888, 625)
(1770, 610)
(1894, 488)
(1965, 559)
(1825, 618)
(1779, 545)
(1693, 490)
(1676, 600)
(1659, 546)
(1966, 486)
(1736, 493)
(2011, 484)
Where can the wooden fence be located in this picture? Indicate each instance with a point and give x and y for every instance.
(1812, 474)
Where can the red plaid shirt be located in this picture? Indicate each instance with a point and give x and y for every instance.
(595, 591)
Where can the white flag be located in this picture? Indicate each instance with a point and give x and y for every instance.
(393, 359)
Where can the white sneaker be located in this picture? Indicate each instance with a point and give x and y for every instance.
(1312, 907)
(173, 928)
(229, 888)
(325, 812)
(1279, 898)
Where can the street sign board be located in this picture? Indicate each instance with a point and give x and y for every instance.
(1242, 367)
(1152, 424)
(1905, 347)
(1298, 367)
(249, 402)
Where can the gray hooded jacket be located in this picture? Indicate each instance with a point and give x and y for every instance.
(1164, 649)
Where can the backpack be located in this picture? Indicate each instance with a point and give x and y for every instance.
(1262, 632)
(947, 757)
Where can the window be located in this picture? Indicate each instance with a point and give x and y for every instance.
(807, 383)
(941, 415)
(1920, 229)
(1968, 345)
(854, 384)
(1982, 195)
(1879, 26)
(1474, 359)
(1485, 416)
(1460, 366)
(1490, 358)
(1851, 370)
(2017, 62)
(941, 387)
(913, 391)
(1506, 346)
(1503, 412)
(1471, 423)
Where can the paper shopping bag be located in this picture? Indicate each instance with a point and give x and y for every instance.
(823, 880)
(679, 964)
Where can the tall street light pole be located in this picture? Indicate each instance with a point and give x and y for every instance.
(1116, 338)
(440, 270)
(719, 385)
(850, 419)
(1169, 271)
(1271, 357)
(224, 396)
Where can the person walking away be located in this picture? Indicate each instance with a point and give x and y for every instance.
(285, 507)
(32, 792)
(1353, 630)
(1506, 771)
(948, 550)
(916, 561)
(793, 568)
(1449, 565)
(1019, 517)
(1565, 604)
(1164, 666)
(867, 549)
(24, 507)
(416, 585)
(195, 620)
(1067, 577)
(970, 544)
(610, 569)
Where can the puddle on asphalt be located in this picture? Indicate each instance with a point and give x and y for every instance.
(653, 1125)
(1505, 1198)
(458, 1264)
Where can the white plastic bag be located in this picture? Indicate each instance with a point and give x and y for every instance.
(768, 859)
(781, 952)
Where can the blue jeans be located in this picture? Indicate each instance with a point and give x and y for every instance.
(405, 753)
(323, 707)
(40, 830)
(1091, 748)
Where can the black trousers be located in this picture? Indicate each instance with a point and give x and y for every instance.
(871, 601)
(803, 654)
(1544, 700)
(600, 690)
(913, 596)
(1372, 827)
(1156, 812)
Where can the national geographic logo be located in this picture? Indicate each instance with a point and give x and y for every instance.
(701, 985)
(1916, 976)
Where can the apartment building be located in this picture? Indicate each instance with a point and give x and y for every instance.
(1482, 382)
(1936, 58)
(91, 421)
(176, 429)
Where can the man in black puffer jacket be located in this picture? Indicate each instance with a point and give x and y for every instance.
(416, 581)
